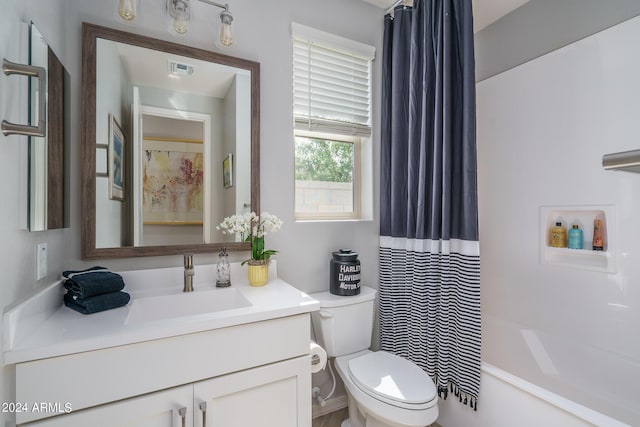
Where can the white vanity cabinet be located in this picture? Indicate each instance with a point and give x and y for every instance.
(159, 409)
(264, 396)
(255, 374)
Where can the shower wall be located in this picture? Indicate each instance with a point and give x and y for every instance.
(542, 130)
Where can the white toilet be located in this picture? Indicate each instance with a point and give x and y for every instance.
(384, 390)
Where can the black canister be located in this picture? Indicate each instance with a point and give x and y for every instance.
(345, 273)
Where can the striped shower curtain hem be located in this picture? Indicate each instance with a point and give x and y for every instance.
(430, 309)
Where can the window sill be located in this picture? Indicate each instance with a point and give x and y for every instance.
(312, 220)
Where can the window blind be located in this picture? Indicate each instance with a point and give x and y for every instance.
(332, 89)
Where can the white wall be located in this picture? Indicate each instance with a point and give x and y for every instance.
(542, 130)
(242, 183)
(539, 27)
(109, 70)
(18, 248)
(228, 146)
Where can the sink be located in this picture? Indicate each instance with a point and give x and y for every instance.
(163, 307)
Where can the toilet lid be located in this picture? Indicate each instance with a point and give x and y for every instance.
(391, 377)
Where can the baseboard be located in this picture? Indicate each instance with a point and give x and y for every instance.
(334, 404)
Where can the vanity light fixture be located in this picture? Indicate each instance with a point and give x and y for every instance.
(180, 13)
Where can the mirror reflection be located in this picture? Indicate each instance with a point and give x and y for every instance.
(187, 124)
(170, 145)
(48, 199)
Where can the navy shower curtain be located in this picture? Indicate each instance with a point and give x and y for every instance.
(429, 249)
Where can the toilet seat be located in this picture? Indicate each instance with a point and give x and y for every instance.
(393, 380)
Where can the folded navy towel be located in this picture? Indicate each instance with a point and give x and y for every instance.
(97, 303)
(93, 281)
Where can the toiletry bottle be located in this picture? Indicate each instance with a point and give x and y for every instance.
(598, 239)
(558, 236)
(575, 237)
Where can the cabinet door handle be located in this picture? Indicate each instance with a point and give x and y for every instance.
(203, 408)
(9, 128)
(183, 415)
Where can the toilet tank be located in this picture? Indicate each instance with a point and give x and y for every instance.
(343, 325)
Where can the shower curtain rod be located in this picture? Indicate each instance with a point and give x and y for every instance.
(398, 2)
(393, 6)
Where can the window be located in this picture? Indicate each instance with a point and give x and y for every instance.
(327, 176)
(332, 117)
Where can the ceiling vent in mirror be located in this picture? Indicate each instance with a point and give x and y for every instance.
(180, 68)
(626, 161)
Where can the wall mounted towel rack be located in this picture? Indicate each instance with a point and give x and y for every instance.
(9, 128)
(626, 161)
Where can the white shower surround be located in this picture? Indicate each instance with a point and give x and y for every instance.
(542, 130)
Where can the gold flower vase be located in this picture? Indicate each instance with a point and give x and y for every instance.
(258, 272)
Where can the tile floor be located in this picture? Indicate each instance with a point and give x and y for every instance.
(335, 418)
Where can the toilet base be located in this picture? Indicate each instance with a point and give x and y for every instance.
(359, 419)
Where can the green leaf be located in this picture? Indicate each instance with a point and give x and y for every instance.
(323, 160)
(257, 248)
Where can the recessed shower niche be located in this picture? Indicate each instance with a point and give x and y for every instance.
(583, 216)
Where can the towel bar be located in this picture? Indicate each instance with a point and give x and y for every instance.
(9, 128)
(627, 161)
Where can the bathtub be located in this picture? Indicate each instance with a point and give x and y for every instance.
(507, 400)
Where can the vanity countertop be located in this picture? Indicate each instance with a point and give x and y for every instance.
(43, 327)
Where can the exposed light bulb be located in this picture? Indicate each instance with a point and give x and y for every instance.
(127, 9)
(226, 32)
(226, 35)
(180, 24)
(181, 14)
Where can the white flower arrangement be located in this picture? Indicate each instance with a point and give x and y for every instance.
(252, 228)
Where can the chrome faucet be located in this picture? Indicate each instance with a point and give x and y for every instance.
(188, 273)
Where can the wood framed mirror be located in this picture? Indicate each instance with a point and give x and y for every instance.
(170, 145)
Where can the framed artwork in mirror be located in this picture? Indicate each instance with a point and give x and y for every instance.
(173, 184)
(227, 171)
(116, 160)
